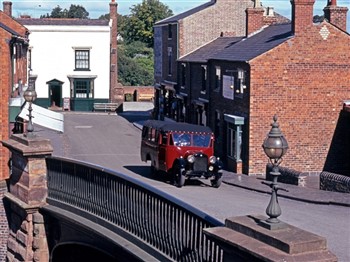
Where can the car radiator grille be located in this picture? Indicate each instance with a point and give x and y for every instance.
(200, 164)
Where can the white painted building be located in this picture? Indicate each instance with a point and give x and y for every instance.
(69, 58)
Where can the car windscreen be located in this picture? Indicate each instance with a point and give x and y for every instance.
(196, 140)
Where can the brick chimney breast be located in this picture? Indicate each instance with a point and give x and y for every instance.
(255, 19)
(302, 14)
(336, 15)
(7, 7)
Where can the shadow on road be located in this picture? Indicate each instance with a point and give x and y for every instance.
(136, 116)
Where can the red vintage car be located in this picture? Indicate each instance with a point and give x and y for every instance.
(181, 149)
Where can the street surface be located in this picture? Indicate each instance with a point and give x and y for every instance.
(113, 141)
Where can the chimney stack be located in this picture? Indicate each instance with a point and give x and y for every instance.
(7, 8)
(336, 15)
(302, 14)
(255, 18)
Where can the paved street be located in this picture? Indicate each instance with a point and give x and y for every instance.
(113, 141)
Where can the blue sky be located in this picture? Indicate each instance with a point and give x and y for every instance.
(99, 7)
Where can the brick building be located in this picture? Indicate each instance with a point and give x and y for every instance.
(298, 70)
(179, 35)
(13, 72)
(13, 76)
(83, 60)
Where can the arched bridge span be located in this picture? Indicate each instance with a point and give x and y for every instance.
(99, 212)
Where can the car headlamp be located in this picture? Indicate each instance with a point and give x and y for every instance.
(212, 159)
(190, 159)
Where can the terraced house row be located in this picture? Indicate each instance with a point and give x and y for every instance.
(232, 65)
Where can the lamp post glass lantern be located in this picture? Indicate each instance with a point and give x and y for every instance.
(275, 146)
(30, 96)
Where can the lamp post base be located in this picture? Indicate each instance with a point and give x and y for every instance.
(272, 226)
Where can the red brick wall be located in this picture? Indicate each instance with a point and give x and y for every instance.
(13, 24)
(4, 98)
(6, 82)
(149, 90)
(336, 15)
(254, 19)
(304, 81)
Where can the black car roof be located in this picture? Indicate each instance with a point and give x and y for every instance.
(176, 126)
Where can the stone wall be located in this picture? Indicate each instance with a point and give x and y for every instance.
(4, 230)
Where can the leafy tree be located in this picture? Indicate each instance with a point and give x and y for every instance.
(122, 22)
(135, 64)
(75, 11)
(318, 18)
(142, 18)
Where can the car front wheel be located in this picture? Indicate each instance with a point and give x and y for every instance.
(179, 176)
(216, 182)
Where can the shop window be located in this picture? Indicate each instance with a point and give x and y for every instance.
(83, 88)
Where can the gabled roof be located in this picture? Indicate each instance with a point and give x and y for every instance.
(63, 21)
(8, 29)
(201, 55)
(176, 18)
(255, 45)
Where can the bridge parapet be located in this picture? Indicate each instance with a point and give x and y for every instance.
(163, 226)
(27, 193)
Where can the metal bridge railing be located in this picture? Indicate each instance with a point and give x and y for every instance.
(169, 225)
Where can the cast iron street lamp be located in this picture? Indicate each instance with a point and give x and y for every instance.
(275, 146)
(30, 96)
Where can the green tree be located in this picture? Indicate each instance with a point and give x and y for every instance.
(135, 64)
(142, 18)
(75, 11)
(122, 22)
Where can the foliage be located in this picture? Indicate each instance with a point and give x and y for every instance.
(142, 19)
(122, 22)
(318, 18)
(75, 11)
(135, 64)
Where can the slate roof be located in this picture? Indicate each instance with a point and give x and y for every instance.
(202, 54)
(185, 14)
(63, 21)
(176, 126)
(255, 45)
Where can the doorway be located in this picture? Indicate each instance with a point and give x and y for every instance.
(55, 93)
